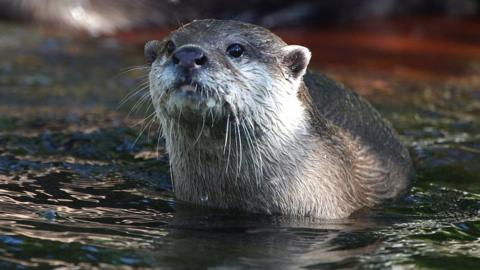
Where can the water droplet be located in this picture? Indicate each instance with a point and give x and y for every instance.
(204, 198)
(210, 103)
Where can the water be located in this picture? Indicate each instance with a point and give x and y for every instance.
(79, 187)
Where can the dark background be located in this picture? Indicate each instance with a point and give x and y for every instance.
(125, 14)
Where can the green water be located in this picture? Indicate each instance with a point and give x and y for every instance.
(78, 190)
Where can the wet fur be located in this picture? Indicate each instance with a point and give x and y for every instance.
(274, 143)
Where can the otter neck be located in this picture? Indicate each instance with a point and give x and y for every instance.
(252, 154)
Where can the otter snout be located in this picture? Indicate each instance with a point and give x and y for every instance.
(189, 57)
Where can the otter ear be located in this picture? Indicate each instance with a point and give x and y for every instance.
(151, 50)
(295, 59)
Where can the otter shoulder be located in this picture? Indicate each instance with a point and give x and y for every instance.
(382, 165)
(350, 112)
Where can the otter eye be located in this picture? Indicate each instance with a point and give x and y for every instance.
(235, 50)
(170, 46)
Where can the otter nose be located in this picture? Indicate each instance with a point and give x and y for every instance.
(189, 57)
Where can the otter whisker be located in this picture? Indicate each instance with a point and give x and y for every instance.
(139, 103)
(150, 105)
(141, 91)
(226, 132)
(145, 97)
(229, 146)
(147, 122)
(142, 87)
(236, 152)
(161, 131)
(143, 68)
(256, 153)
(152, 122)
(171, 124)
(229, 139)
(159, 98)
(132, 68)
(201, 131)
(210, 111)
(250, 147)
(240, 150)
(161, 134)
(150, 117)
(218, 98)
(256, 159)
(178, 120)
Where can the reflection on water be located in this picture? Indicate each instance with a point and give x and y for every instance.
(78, 190)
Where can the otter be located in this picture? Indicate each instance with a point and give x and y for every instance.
(248, 128)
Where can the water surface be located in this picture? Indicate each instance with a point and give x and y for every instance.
(80, 188)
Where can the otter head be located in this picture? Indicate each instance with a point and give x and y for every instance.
(215, 71)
